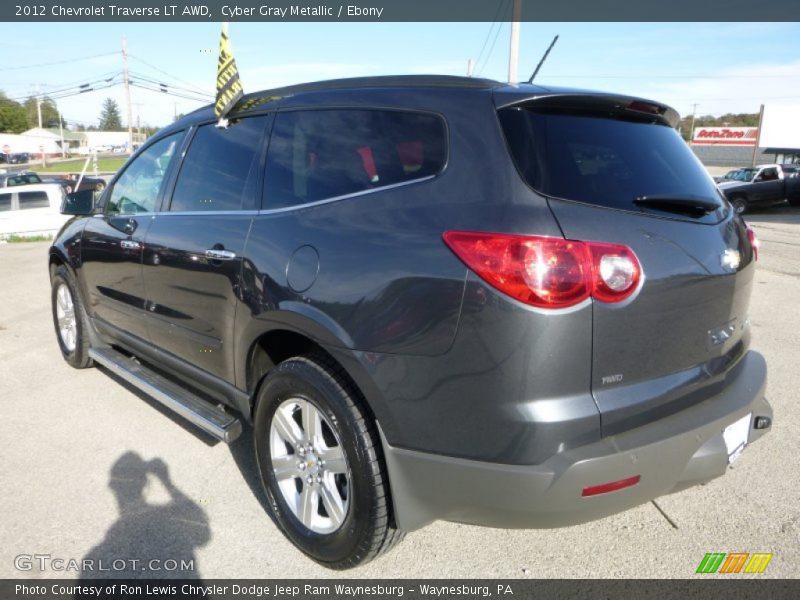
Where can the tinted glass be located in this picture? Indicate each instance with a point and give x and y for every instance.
(33, 200)
(5, 201)
(604, 161)
(321, 154)
(24, 179)
(219, 170)
(137, 189)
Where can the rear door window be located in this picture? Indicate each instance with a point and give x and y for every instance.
(220, 168)
(603, 161)
(5, 201)
(33, 200)
(323, 154)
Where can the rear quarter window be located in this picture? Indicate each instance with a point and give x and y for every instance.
(321, 154)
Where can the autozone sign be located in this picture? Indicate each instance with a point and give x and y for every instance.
(725, 136)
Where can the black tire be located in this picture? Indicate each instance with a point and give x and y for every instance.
(78, 356)
(739, 204)
(367, 530)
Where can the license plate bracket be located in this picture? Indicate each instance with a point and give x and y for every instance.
(736, 436)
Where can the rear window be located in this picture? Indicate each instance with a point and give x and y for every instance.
(24, 179)
(320, 154)
(603, 161)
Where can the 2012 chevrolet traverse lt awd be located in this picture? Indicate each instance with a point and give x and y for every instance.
(433, 297)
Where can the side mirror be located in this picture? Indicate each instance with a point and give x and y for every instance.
(79, 203)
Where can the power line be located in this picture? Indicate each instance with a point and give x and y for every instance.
(146, 79)
(167, 92)
(491, 27)
(163, 72)
(57, 62)
(509, 4)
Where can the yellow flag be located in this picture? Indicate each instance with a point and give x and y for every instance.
(229, 88)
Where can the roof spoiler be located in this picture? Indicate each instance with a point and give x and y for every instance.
(603, 103)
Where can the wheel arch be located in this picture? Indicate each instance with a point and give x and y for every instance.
(278, 340)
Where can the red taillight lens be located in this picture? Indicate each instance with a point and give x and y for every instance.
(540, 271)
(548, 272)
(751, 235)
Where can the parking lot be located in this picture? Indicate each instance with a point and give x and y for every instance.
(80, 477)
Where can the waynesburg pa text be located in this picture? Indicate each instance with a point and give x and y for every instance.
(260, 591)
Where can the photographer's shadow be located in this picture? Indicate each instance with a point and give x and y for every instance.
(161, 538)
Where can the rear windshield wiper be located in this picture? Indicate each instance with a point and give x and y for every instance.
(679, 204)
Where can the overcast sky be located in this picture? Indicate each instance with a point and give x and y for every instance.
(723, 67)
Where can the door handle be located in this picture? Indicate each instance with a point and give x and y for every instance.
(217, 254)
(130, 245)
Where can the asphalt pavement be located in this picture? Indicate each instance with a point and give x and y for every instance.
(93, 469)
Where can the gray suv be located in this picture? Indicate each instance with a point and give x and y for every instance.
(432, 298)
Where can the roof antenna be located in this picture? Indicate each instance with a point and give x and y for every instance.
(544, 58)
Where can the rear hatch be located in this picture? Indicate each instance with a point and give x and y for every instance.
(615, 170)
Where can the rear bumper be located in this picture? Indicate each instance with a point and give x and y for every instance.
(671, 454)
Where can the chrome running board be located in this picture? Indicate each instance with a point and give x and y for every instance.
(213, 420)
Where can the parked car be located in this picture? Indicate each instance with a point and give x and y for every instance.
(18, 179)
(764, 185)
(70, 183)
(18, 158)
(434, 298)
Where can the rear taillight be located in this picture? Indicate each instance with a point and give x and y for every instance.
(751, 235)
(548, 272)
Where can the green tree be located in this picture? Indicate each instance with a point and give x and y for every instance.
(13, 118)
(109, 117)
(49, 112)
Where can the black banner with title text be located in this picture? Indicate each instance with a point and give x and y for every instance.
(391, 589)
(396, 11)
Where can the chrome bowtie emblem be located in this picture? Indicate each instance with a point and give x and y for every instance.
(730, 259)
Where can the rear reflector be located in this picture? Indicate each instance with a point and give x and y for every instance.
(612, 486)
(751, 235)
(548, 272)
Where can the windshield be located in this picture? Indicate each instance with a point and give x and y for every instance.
(745, 174)
(604, 161)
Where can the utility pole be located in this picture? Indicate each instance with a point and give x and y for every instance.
(126, 80)
(39, 108)
(513, 52)
(39, 111)
(691, 129)
(758, 135)
(61, 131)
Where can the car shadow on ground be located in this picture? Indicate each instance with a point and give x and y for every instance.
(148, 539)
(201, 435)
(245, 458)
